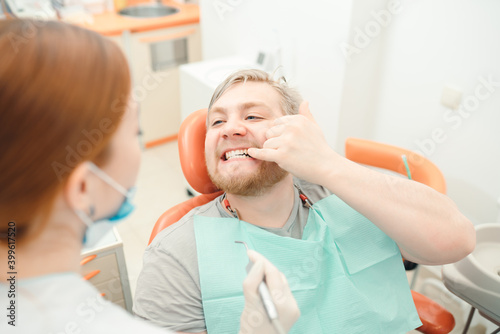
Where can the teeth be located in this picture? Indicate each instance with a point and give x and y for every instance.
(237, 153)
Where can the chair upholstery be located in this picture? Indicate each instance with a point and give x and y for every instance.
(435, 318)
(191, 142)
(388, 157)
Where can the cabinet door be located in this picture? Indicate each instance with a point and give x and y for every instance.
(104, 266)
(154, 58)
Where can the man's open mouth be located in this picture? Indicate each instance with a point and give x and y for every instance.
(242, 153)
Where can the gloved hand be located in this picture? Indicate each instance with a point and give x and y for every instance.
(254, 318)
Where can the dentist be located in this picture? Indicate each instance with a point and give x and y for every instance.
(69, 158)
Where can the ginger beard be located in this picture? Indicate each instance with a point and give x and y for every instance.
(252, 184)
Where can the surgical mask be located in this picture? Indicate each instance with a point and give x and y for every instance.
(98, 229)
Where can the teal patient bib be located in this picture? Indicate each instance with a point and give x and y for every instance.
(345, 273)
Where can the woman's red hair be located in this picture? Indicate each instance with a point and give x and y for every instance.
(63, 92)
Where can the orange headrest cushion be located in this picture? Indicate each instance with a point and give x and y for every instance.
(191, 143)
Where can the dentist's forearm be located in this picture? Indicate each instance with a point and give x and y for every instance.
(426, 225)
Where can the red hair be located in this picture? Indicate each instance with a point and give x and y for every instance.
(63, 92)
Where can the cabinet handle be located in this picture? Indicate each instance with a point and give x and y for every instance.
(87, 259)
(177, 35)
(91, 274)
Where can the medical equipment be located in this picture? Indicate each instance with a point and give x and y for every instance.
(265, 296)
(476, 278)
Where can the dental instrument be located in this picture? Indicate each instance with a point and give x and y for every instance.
(265, 296)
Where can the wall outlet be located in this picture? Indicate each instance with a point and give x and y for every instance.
(451, 97)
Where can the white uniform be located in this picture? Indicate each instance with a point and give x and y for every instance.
(64, 303)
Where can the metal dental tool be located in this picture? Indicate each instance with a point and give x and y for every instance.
(265, 296)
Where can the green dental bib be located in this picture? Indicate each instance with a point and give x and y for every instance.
(345, 273)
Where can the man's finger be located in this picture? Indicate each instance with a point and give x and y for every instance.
(283, 119)
(275, 131)
(272, 143)
(304, 110)
(267, 154)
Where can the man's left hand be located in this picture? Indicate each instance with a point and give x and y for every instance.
(297, 144)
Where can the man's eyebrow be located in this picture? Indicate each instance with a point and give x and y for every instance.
(214, 110)
(241, 106)
(248, 105)
(218, 110)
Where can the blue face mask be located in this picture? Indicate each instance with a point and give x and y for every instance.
(126, 208)
(97, 229)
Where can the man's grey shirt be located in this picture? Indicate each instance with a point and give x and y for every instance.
(168, 290)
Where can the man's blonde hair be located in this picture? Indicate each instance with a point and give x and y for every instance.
(290, 98)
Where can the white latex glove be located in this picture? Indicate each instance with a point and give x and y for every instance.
(297, 144)
(254, 318)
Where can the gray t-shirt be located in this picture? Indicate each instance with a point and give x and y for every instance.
(168, 290)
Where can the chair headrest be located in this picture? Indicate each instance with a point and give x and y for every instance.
(191, 143)
(388, 157)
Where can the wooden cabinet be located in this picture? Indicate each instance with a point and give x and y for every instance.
(154, 57)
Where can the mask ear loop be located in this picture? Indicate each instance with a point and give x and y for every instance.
(84, 217)
(106, 178)
(86, 220)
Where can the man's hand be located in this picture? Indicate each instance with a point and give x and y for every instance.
(426, 225)
(296, 143)
(254, 318)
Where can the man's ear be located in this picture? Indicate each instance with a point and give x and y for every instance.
(76, 189)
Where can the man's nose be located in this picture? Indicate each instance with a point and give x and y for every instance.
(234, 127)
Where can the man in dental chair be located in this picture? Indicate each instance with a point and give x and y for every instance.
(337, 230)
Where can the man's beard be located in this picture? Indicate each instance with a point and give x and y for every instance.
(256, 184)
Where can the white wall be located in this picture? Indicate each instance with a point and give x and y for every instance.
(431, 44)
(389, 89)
(308, 32)
(363, 57)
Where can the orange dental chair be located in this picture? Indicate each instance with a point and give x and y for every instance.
(191, 142)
